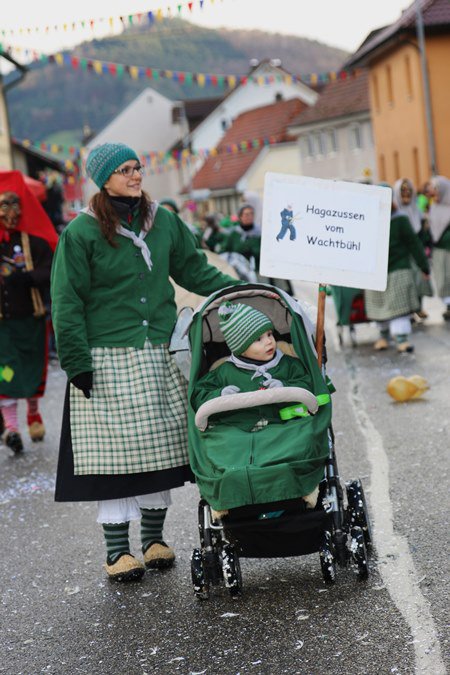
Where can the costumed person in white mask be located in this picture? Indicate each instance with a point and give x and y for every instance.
(124, 432)
(405, 196)
(439, 221)
(27, 237)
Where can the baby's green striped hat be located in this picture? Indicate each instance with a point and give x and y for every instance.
(241, 325)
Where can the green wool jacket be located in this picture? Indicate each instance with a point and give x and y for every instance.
(235, 242)
(105, 296)
(403, 243)
(444, 241)
(246, 246)
(290, 371)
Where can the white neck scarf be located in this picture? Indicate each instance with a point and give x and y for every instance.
(260, 369)
(138, 240)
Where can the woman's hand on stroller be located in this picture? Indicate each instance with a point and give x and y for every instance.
(230, 389)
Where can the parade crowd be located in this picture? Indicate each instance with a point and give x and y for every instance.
(102, 286)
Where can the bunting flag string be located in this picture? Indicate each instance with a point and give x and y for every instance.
(124, 21)
(154, 161)
(182, 77)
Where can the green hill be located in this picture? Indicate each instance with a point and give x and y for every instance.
(54, 99)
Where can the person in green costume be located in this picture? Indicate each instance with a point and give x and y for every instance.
(439, 220)
(124, 432)
(25, 263)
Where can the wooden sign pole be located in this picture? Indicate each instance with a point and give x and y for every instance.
(320, 324)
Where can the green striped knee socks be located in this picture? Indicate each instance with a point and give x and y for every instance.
(152, 523)
(116, 538)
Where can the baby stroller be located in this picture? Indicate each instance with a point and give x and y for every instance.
(260, 476)
(350, 310)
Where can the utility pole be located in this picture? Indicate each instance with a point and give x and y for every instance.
(4, 88)
(426, 86)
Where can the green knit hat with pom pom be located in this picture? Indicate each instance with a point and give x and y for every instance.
(104, 159)
(241, 325)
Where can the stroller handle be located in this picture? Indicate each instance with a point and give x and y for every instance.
(251, 399)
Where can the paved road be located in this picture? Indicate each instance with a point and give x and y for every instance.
(61, 616)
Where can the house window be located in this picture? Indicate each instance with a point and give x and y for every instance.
(332, 141)
(396, 165)
(355, 137)
(376, 93)
(409, 83)
(308, 146)
(318, 141)
(177, 114)
(390, 90)
(382, 167)
(416, 166)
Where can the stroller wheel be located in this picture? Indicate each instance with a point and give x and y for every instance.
(359, 553)
(328, 559)
(357, 509)
(231, 569)
(199, 580)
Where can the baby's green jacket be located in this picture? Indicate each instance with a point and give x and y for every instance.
(290, 371)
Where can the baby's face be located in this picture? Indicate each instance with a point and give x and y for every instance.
(263, 349)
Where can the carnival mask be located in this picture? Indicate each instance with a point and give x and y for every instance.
(406, 192)
(10, 210)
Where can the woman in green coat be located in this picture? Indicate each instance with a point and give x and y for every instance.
(124, 435)
(393, 307)
(439, 220)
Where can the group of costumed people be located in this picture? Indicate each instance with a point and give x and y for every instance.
(124, 430)
(242, 238)
(419, 242)
(27, 240)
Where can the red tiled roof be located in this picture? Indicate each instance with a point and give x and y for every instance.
(435, 14)
(268, 122)
(339, 98)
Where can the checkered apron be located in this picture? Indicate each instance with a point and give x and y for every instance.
(399, 298)
(135, 420)
(441, 271)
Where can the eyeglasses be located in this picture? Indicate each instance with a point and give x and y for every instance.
(127, 171)
(13, 204)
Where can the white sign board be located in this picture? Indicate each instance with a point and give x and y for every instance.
(331, 232)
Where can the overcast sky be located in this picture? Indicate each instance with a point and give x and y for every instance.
(339, 23)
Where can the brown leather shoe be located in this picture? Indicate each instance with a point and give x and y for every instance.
(126, 568)
(158, 556)
(36, 431)
(381, 344)
(405, 348)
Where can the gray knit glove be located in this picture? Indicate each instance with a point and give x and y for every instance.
(274, 384)
(230, 389)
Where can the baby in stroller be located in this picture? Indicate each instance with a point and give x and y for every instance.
(255, 363)
(261, 443)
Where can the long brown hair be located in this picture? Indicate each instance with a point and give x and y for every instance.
(107, 216)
